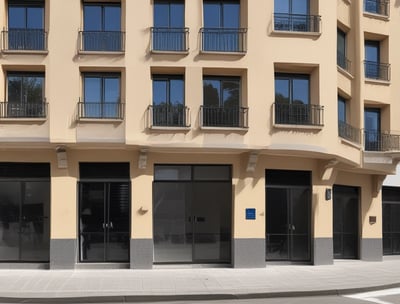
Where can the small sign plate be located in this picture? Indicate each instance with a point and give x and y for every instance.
(250, 213)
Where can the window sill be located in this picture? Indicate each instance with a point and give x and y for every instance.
(24, 119)
(233, 129)
(377, 81)
(376, 16)
(166, 52)
(172, 128)
(298, 127)
(100, 120)
(294, 33)
(345, 73)
(117, 53)
(350, 143)
(222, 53)
(26, 52)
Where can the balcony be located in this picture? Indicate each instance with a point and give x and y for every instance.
(101, 110)
(297, 23)
(23, 110)
(102, 41)
(343, 62)
(349, 132)
(175, 116)
(378, 7)
(169, 39)
(224, 117)
(381, 142)
(298, 114)
(24, 40)
(377, 71)
(223, 40)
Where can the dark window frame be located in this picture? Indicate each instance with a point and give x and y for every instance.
(221, 79)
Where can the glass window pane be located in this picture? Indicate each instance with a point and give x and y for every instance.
(282, 90)
(92, 16)
(341, 42)
(341, 109)
(16, 17)
(372, 120)
(92, 89)
(372, 51)
(212, 14)
(159, 92)
(230, 93)
(172, 173)
(161, 14)
(211, 92)
(35, 18)
(33, 89)
(301, 94)
(231, 17)
(281, 6)
(14, 89)
(112, 18)
(177, 12)
(176, 92)
(299, 7)
(111, 90)
(211, 172)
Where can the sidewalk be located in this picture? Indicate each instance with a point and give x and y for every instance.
(197, 283)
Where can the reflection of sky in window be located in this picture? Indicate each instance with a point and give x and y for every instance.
(176, 91)
(372, 51)
(102, 18)
(102, 89)
(292, 89)
(341, 109)
(111, 90)
(25, 17)
(163, 87)
(225, 15)
(169, 14)
(291, 6)
(92, 89)
(372, 120)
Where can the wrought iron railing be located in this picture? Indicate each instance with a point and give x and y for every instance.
(102, 41)
(299, 114)
(23, 110)
(343, 62)
(24, 40)
(349, 132)
(230, 117)
(101, 110)
(223, 40)
(380, 142)
(376, 70)
(168, 116)
(379, 7)
(297, 23)
(169, 39)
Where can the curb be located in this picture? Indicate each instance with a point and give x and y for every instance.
(196, 297)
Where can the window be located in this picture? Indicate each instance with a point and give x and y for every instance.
(25, 92)
(294, 15)
(169, 32)
(222, 104)
(372, 126)
(169, 101)
(102, 27)
(379, 7)
(102, 97)
(374, 69)
(342, 60)
(292, 101)
(222, 32)
(25, 25)
(342, 109)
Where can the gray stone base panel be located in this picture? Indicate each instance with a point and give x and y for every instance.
(248, 253)
(323, 251)
(102, 266)
(371, 249)
(141, 253)
(10, 265)
(63, 253)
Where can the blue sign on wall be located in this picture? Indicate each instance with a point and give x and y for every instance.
(250, 213)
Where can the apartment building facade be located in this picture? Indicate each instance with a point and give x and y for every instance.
(236, 132)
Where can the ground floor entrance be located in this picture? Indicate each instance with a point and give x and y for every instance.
(391, 220)
(192, 213)
(24, 212)
(104, 212)
(345, 222)
(288, 203)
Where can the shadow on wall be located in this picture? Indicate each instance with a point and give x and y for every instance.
(397, 3)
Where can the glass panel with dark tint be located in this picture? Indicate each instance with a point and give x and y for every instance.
(172, 173)
(391, 220)
(372, 126)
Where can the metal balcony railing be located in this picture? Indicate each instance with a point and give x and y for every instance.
(101, 41)
(343, 62)
(380, 142)
(101, 110)
(349, 132)
(23, 110)
(379, 7)
(297, 23)
(169, 39)
(223, 40)
(376, 70)
(299, 114)
(168, 116)
(229, 117)
(24, 40)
